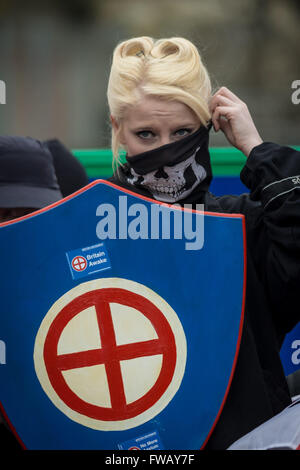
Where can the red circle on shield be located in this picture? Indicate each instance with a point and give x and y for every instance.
(110, 354)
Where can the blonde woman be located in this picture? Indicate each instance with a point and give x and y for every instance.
(162, 109)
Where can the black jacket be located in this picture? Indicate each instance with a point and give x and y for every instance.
(272, 212)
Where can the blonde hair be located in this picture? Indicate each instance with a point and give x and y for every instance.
(171, 69)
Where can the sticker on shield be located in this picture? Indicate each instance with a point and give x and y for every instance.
(110, 354)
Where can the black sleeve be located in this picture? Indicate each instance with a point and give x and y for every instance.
(272, 173)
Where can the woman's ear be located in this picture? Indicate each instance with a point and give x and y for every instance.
(114, 123)
(117, 129)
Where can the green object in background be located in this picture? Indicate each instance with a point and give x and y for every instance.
(97, 162)
(226, 161)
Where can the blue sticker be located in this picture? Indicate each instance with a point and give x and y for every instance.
(149, 441)
(88, 260)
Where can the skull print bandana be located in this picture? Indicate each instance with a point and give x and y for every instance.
(174, 171)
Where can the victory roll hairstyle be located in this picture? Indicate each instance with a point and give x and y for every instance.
(170, 69)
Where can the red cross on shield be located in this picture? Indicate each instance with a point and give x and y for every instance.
(110, 354)
(79, 263)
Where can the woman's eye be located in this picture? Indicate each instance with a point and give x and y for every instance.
(183, 132)
(145, 134)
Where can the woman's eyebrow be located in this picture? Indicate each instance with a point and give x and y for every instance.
(154, 126)
(143, 127)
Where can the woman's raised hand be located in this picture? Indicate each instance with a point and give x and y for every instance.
(232, 116)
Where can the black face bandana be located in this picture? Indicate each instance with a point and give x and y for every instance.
(174, 171)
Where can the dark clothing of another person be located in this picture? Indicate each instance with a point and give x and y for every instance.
(71, 174)
(27, 174)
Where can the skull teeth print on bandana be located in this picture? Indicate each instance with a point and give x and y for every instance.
(172, 183)
(172, 172)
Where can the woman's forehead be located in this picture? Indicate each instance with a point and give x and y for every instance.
(150, 108)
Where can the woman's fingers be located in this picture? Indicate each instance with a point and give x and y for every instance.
(223, 106)
(225, 97)
(218, 100)
(224, 91)
(226, 111)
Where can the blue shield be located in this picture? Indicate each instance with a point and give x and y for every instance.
(121, 320)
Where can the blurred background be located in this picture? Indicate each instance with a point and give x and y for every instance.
(55, 59)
